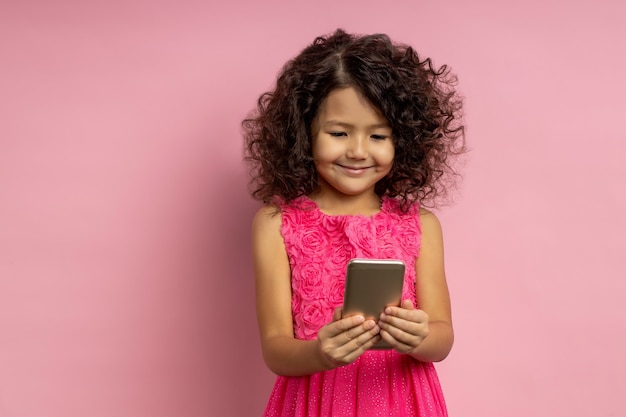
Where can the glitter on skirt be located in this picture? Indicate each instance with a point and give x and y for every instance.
(379, 383)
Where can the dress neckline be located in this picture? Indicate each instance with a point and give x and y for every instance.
(312, 204)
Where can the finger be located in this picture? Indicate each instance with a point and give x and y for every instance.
(357, 333)
(405, 305)
(395, 343)
(405, 320)
(338, 313)
(348, 346)
(344, 338)
(342, 325)
(358, 345)
(404, 331)
(417, 316)
(400, 328)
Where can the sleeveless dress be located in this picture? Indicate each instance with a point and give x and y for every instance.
(379, 382)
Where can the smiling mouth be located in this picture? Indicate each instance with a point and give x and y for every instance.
(354, 170)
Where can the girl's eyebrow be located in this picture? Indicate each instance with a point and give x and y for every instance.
(348, 125)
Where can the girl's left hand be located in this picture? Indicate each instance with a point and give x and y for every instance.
(404, 327)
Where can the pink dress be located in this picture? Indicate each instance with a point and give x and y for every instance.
(378, 383)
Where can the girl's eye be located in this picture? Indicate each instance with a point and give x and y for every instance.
(379, 137)
(337, 134)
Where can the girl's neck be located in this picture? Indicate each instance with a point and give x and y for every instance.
(341, 204)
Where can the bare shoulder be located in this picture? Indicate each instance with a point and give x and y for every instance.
(431, 227)
(266, 218)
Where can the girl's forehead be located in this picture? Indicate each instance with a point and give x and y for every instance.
(348, 106)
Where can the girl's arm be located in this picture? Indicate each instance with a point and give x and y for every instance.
(426, 334)
(338, 343)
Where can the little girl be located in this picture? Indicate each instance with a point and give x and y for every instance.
(358, 132)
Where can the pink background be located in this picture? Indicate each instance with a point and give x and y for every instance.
(125, 280)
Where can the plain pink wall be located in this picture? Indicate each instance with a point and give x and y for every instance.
(125, 280)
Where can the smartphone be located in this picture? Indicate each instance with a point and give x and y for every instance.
(372, 285)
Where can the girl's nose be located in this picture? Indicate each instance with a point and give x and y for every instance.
(357, 148)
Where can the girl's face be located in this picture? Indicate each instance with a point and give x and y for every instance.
(351, 144)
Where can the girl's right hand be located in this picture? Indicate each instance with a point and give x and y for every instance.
(342, 341)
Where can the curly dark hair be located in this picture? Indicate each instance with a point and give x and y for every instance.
(419, 102)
